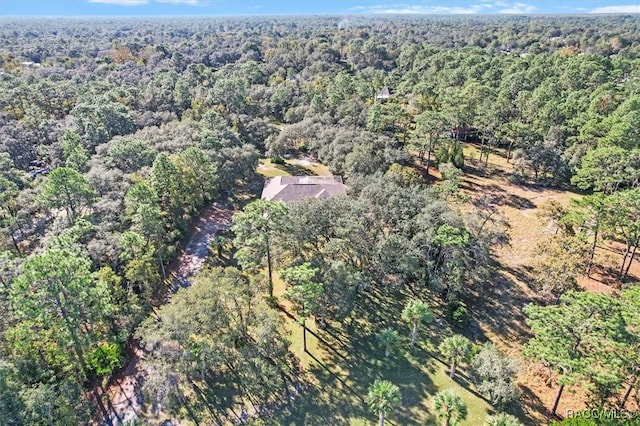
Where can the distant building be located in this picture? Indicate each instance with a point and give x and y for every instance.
(383, 95)
(293, 188)
(469, 134)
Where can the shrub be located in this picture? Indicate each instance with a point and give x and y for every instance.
(106, 358)
(457, 314)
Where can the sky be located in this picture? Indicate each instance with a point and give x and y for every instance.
(96, 8)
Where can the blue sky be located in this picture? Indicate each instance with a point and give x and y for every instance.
(299, 7)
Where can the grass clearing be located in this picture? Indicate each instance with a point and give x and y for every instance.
(345, 359)
(268, 169)
(496, 308)
(297, 166)
(308, 164)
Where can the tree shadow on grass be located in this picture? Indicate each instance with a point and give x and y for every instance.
(296, 170)
(498, 195)
(344, 375)
(531, 403)
(369, 363)
(330, 401)
(321, 339)
(364, 361)
(336, 377)
(349, 358)
(461, 377)
(463, 380)
(337, 335)
(382, 308)
(498, 306)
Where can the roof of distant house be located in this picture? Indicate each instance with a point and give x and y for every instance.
(383, 94)
(293, 188)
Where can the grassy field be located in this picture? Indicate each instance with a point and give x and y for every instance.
(292, 167)
(496, 308)
(345, 359)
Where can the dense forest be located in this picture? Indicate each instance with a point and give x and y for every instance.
(116, 134)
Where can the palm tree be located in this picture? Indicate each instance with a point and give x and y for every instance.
(456, 349)
(387, 337)
(449, 406)
(416, 312)
(382, 398)
(502, 419)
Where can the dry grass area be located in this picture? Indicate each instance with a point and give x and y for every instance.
(497, 307)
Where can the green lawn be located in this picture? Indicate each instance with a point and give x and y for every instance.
(268, 169)
(346, 359)
(291, 167)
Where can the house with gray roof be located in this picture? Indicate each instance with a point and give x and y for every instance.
(293, 188)
(383, 94)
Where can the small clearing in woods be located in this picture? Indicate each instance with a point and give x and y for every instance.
(214, 219)
(295, 166)
(497, 307)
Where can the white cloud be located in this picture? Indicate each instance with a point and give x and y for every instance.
(122, 2)
(518, 9)
(632, 8)
(493, 4)
(189, 2)
(482, 6)
(414, 9)
(142, 2)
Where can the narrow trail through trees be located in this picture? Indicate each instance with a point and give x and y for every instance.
(215, 218)
(124, 393)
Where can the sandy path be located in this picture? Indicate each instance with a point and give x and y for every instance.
(215, 218)
(125, 392)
